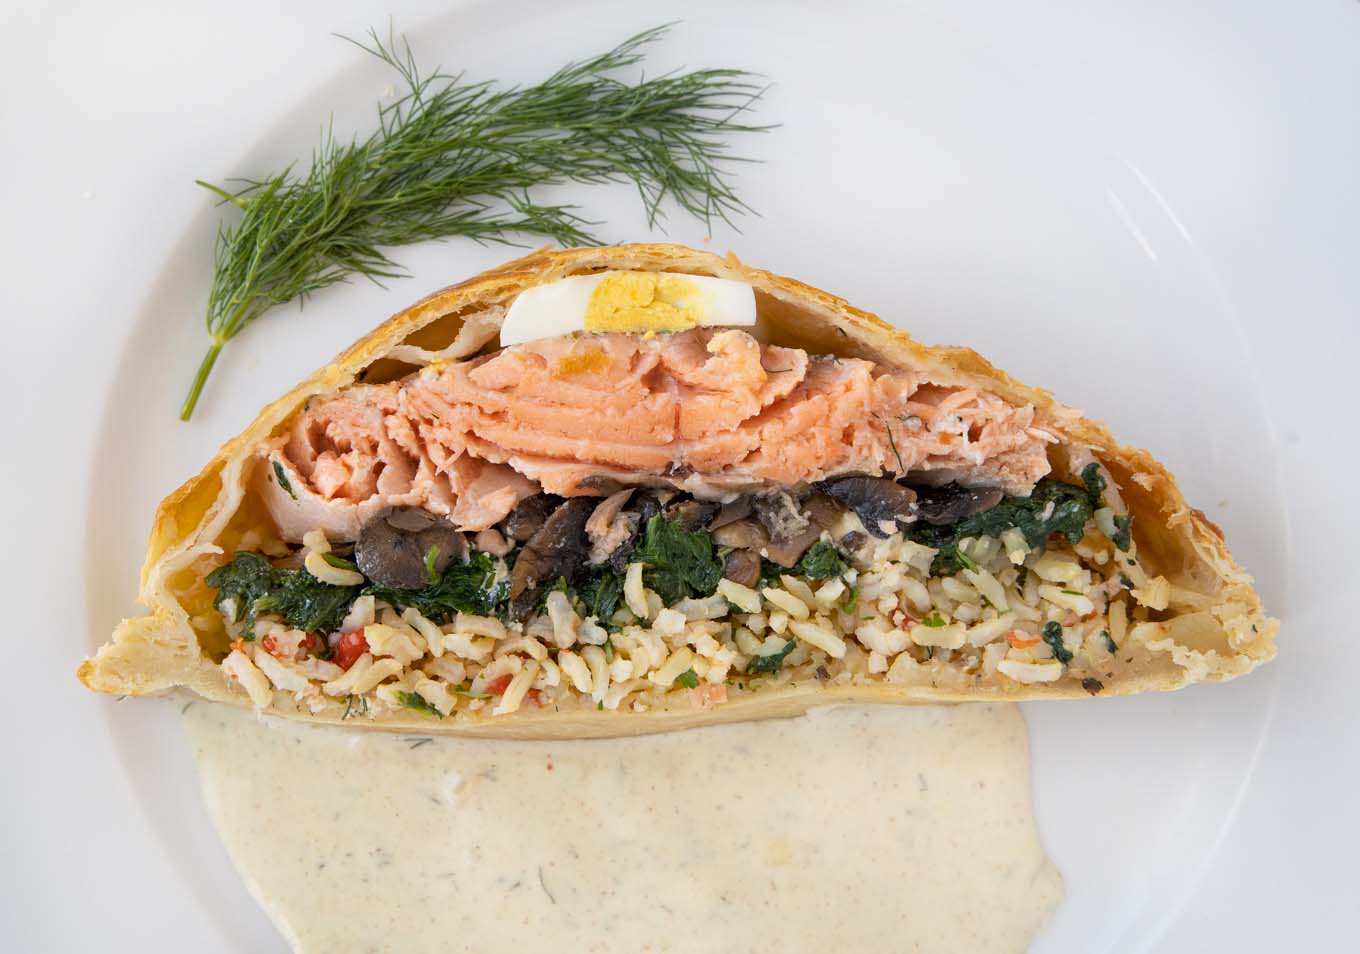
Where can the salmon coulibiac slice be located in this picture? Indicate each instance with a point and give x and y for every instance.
(683, 511)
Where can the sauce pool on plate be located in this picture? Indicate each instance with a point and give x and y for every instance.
(865, 829)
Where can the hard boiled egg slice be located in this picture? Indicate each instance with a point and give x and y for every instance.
(627, 301)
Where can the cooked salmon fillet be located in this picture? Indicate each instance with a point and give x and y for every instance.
(711, 411)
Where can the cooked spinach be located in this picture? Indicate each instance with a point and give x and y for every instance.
(339, 562)
(1123, 531)
(469, 587)
(689, 679)
(821, 562)
(303, 601)
(770, 572)
(1052, 507)
(772, 661)
(600, 591)
(680, 562)
(306, 603)
(1094, 481)
(850, 602)
(1053, 635)
(245, 580)
(417, 702)
(431, 558)
(1095, 486)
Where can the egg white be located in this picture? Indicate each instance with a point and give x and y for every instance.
(559, 308)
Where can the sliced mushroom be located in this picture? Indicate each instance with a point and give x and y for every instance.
(743, 566)
(882, 504)
(392, 547)
(610, 527)
(529, 515)
(557, 549)
(943, 506)
(744, 535)
(787, 552)
(935, 477)
(791, 532)
(641, 507)
(731, 512)
(780, 515)
(602, 483)
(691, 514)
(823, 511)
(853, 541)
(646, 505)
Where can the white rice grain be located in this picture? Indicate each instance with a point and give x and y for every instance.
(1069, 600)
(989, 587)
(363, 612)
(1119, 621)
(436, 694)
(599, 672)
(522, 644)
(283, 676)
(820, 636)
(465, 647)
(708, 608)
(577, 671)
(434, 639)
(679, 661)
(518, 688)
(634, 593)
(563, 618)
(240, 669)
(316, 565)
(669, 622)
(742, 597)
(1031, 672)
(376, 673)
(949, 636)
(468, 625)
(787, 602)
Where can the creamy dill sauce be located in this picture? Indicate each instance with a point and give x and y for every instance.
(854, 829)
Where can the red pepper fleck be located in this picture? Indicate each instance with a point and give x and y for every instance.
(498, 685)
(903, 620)
(350, 647)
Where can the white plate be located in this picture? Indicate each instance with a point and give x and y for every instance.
(1136, 213)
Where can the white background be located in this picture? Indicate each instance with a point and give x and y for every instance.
(1200, 296)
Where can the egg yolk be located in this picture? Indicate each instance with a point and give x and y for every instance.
(644, 301)
(580, 362)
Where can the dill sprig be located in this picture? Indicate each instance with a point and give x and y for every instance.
(453, 158)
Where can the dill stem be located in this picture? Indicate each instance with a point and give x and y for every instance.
(222, 194)
(204, 369)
